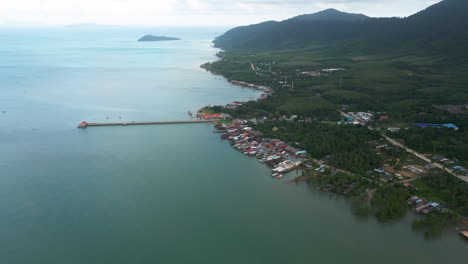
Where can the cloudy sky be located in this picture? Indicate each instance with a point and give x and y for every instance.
(188, 12)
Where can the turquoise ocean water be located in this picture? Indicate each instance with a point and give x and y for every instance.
(155, 194)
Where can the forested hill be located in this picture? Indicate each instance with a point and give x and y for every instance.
(330, 15)
(441, 28)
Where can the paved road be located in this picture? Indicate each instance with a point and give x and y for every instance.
(398, 144)
(438, 165)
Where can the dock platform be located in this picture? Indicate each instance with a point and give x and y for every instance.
(86, 124)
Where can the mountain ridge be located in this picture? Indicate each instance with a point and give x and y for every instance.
(330, 14)
(440, 28)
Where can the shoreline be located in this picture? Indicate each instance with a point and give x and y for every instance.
(284, 158)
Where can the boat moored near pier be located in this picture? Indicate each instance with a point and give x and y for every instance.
(464, 234)
(83, 124)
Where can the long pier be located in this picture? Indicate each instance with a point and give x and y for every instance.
(85, 124)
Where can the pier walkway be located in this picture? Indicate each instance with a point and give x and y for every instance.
(85, 124)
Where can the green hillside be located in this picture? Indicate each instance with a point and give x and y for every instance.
(398, 67)
(440, 29)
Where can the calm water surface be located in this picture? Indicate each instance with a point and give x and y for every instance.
(155, 194)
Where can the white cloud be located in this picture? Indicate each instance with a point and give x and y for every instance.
(196, 4)
(188, 12)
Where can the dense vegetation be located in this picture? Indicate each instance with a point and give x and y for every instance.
(444, 141)
(444, 187)
(402, 84)
(348, 33)
(400, 68)
(355, 187)
(435, 223)
(390, 201)
(405, 86)
(340, 183)
(347, 145)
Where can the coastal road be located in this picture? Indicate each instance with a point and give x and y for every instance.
(438, 165)
(398, 144)
(253, 67)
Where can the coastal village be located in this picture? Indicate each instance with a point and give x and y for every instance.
(354, 118)
(274, 152)
(283, 157)
(400, 125)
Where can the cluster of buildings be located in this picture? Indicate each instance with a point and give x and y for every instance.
(203, 116)
(330, 70)
(312, 73)
(362, 116)
(265, 89)
(384, 175)
(460, 170)
(423, 206)
(359, 118)
(443, 160)
(274, 152)
(257, 69)
(453, 109)
(321, 72)
(422, 125)
(267, 92)
(379, 146)
(413, 169)
(388, 172)
(393, 129)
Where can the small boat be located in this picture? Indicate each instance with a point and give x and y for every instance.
(250, 152)
(464, 234)
(280, 176)
(83, 124)
(275, 175)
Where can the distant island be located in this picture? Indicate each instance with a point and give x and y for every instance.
(156, 38)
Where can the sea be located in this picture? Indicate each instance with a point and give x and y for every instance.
(157, 194)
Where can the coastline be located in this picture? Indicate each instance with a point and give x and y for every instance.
(284, 158)
(161, 194)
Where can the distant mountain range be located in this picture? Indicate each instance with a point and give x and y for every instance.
(439, 29)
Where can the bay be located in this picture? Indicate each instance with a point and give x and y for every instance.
(156, 194)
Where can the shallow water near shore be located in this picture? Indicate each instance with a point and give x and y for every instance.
(156, 194)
